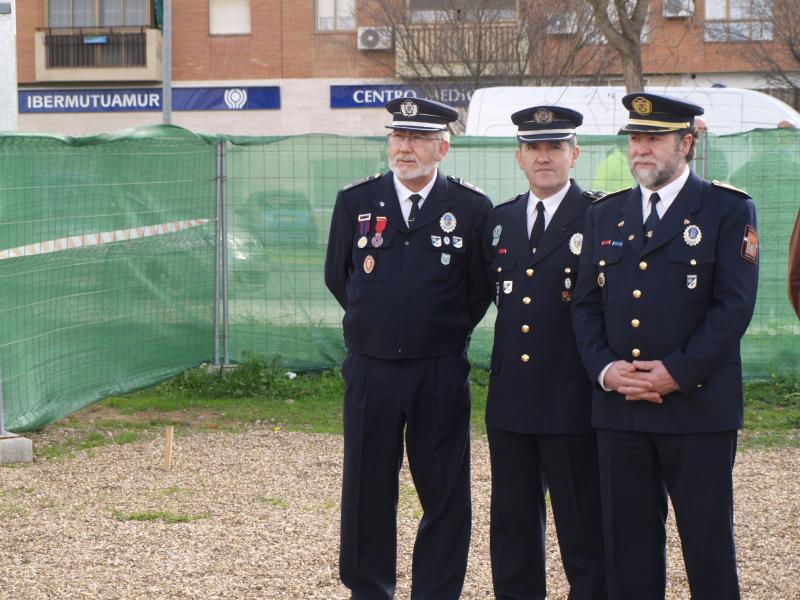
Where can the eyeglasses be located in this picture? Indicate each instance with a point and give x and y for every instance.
(413, 138)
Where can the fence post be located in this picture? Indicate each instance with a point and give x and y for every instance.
(224, 220)
(218, 243)
(2, 408)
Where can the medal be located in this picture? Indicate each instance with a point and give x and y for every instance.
(566, 296)
(363, 228)
(369, 264)
(380, 227)
(448, 222)
(446, 240)
(692, 235)
(575, 243)
(445, 258)
(567, 283)
(601, 279)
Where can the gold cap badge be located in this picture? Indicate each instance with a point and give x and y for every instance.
(642, 106)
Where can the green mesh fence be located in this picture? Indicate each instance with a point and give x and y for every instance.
(81, 323)
(107, 270)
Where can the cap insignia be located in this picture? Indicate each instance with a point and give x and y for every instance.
(543, 116)
(409, 108)
(642, 106)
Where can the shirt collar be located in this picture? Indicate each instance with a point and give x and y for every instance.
(403, 192)
(551, 203)
(667, 194)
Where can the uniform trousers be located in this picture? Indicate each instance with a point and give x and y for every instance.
(426, 401)
(637, 473)
(523, 467)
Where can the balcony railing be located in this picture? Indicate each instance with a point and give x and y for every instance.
(446, 48)
(96, 48)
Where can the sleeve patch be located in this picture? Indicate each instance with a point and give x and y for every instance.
(750, 245)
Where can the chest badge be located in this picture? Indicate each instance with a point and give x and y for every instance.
(576, 243)
(496, 235)
(445, 258)
(567, 283)
(508, 287)
(458, 242)
(436, 241)
(692, 235)
(369, 264)
(448, 222)
(601, 279)
(691, 281)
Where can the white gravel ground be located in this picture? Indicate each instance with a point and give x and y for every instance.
(265, 510)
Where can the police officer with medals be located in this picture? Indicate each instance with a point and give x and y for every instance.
(539, 402)
(667, 288)
(405, 262)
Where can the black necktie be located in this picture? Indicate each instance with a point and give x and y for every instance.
(537, 231)
(415, 198)
(651, 223)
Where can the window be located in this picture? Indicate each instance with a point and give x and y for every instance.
(738, 20)
(467, 10)
(97, 13)
(229, 17)
(336, 15)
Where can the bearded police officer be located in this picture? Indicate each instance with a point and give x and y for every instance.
(539, 404)
(666, 290)
(406, 264)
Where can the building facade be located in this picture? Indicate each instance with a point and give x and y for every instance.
(280, 67)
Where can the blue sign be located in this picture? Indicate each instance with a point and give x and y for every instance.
(95, 39)
(233, 98)
(149, 99)
(375, 96)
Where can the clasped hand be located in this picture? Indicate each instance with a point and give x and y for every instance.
(646, 380)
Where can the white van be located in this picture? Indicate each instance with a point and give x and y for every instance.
(727, 110)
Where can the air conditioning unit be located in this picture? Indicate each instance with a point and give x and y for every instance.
(678, 9)
(562, 24)
(374, 38)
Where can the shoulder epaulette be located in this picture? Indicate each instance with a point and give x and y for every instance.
(466, 184)
(605, 197)
(509, 202)
(594, 196)
(730, 187)
(350, 186)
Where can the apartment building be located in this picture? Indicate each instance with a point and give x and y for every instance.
(281, 67)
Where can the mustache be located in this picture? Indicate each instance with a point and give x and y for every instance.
(405, 157)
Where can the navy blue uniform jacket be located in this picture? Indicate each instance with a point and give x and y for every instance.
(550, 391)
(679, 299)
(423, 290)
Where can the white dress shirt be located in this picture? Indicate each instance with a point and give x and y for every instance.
(403, 194)
(551, 205)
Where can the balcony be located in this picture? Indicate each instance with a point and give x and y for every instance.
(99, 54)
(454, 49)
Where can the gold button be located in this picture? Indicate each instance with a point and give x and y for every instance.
(499, 269)
(567, 270)
(635, 323)
(693, 262)
(526, 300)
(525, 358)
(637, 293)
(643, 266)
(529, 272)
(631, 237)
(635, 352)
(525, 328)
(602, 263)
(699, 385)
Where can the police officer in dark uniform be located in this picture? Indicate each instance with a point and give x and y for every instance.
(666, 290)
(405, 262)
(539, 404)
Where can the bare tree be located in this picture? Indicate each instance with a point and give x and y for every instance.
(489, 42)
(773, 42)
(622, 22)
